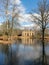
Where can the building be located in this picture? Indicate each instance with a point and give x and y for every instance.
(27, 33)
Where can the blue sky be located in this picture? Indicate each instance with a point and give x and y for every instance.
(29, 4)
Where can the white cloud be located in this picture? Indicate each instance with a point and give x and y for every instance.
(19, 5)
(24, 17)
(29, 25)
(18, 2)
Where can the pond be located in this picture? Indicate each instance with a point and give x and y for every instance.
(23, 52)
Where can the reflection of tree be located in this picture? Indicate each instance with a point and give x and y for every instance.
(11, 55)
(5, 50)
(14, 55)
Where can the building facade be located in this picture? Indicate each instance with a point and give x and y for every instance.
(27, 33)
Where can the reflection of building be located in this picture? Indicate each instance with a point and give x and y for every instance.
(27, 41)
(27, 33)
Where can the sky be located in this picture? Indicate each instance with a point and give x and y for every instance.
(25, 6)
(29, 4)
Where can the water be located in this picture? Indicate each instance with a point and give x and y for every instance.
(23, 52)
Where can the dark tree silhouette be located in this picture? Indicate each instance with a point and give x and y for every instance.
(42, 21)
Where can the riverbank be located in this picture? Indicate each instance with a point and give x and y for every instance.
(6, 42)
(11, 39)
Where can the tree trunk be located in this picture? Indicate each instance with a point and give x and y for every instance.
(43, 49)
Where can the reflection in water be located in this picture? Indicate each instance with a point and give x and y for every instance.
(27, 41)
(23, 52)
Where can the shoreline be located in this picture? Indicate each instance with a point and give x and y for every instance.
(6, 42)
(10, 40)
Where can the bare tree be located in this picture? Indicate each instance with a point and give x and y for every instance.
(5, 10)
(11, 13)
(15, 16)
(42, 21)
